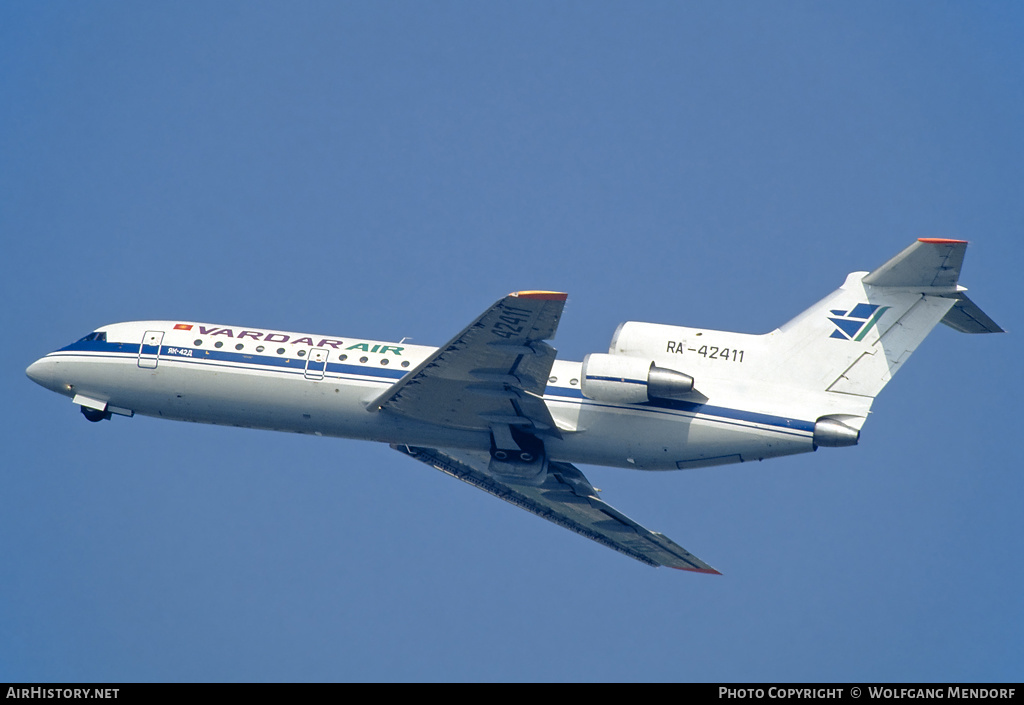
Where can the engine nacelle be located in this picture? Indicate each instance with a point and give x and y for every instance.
(621, 379)
(833, 433)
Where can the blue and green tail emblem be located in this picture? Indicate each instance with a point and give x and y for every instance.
(855, 323)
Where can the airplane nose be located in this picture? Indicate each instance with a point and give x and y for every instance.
(43, 372)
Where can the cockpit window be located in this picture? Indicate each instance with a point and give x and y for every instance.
(100, 336)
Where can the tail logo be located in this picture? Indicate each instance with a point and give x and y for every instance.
(855, 323)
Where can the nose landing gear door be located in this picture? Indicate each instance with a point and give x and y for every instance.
(315, 363)
(149, 350)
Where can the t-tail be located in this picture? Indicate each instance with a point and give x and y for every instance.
(826, 365)
(852, 342)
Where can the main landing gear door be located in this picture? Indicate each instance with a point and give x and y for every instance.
(315, 363)
(149, 350)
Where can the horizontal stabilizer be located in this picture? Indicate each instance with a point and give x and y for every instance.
(966, 317)
(852, 342)
(928, 263)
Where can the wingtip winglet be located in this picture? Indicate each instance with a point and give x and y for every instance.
(541, 295)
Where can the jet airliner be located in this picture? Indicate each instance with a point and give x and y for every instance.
(495, 408)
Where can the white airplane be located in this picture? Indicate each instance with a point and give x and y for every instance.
(494, 408)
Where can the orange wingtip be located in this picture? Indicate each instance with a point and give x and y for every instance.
(542, 295)
(710, 571)
(941, 241)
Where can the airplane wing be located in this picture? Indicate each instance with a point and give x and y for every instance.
(493, 372)
(568, 499)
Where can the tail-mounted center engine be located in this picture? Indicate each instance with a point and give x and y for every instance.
(833, 433)
(622, 379)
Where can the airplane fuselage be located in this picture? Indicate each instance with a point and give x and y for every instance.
(321, 385)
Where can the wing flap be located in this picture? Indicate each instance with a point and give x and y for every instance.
(565, 498)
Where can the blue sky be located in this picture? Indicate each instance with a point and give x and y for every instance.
(384, 170)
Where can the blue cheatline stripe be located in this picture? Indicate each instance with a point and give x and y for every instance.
(695, 408)
(101, 346)
(247, 359)
(617, 379)
(244, 360)
(737, 414)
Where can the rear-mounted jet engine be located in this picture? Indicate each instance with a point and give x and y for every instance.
(621, 379)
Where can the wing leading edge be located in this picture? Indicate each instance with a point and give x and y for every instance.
(568, 499)
(492, 373)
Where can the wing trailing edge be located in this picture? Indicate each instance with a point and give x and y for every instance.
(565, 498)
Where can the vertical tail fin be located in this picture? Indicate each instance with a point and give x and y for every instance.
(853, 341)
